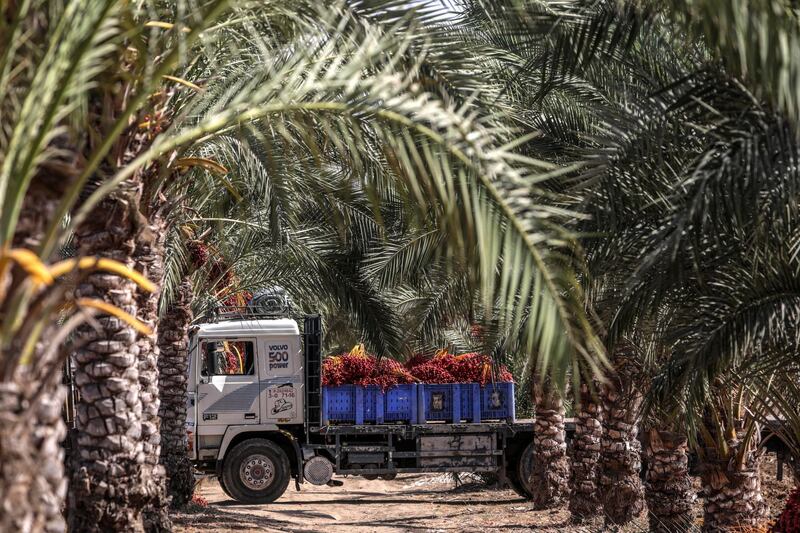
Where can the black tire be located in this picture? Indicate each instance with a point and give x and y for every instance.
(256, 471)
(513, 482)
(370, 477)
(224, 488)
(518, 472)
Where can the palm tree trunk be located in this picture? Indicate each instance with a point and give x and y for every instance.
(149, 260)
(551, 467)
(668, 488)
(173, 365)
(107, 491)
(733, 498)
(584, 499)
(620, 451)
(32, 480)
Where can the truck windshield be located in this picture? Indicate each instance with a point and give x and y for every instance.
(227, 358)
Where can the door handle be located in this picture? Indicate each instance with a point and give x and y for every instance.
(249, 416)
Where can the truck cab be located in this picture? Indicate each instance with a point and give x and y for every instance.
(254, 419)
(246, 376)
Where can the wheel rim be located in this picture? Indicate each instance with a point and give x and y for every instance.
(257, 472)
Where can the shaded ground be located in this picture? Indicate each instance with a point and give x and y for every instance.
(430, 503)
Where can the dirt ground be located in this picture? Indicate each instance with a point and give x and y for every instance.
(430, 503)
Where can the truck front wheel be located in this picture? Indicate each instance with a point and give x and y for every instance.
(256, 471)
(224, 488)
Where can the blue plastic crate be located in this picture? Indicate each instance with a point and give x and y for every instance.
(338, 404)
(373, 405)
(497, 401)
(442, 402)
(465, 402)
(470, 397)
(400, 403)
(352, 404)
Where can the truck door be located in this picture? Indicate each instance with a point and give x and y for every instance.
(228, 386)
(281, 374)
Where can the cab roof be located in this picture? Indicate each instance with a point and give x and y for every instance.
(278, 326)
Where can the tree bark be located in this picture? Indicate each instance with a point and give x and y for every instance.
(584, 499)
(33, 484)
(173, 365)
(551, 467)
(668, 487)
(733, 498)
(149, 261)
(620, 451)
(107, 491)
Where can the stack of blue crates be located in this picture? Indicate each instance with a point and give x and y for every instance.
(368, 404)
(418, 403)
(466, 402)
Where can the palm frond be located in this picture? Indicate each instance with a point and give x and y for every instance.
(759, 42)
(451, 162)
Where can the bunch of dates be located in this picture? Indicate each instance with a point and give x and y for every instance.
(358, 367)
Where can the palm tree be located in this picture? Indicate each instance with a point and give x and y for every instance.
(730, 471)
(525, 38)
(775, 389)
(684, 278)
(148, 259)
(620, 451)
(131, 236)
(636, 124)
(452, 157)
(35, 469)
(173, 370)
(32, 477)
(48, 52)
(719, 296)
(725, 375)
(584, 496)
(551, 468)
(668, 487)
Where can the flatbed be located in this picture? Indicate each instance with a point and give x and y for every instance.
(412, 430)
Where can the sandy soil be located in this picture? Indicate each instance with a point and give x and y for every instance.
(431, 503)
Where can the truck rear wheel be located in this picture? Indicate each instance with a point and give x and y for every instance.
(256, 471)
(370, 477)
(519, 470)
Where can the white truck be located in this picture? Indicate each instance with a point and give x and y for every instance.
(254, 419)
